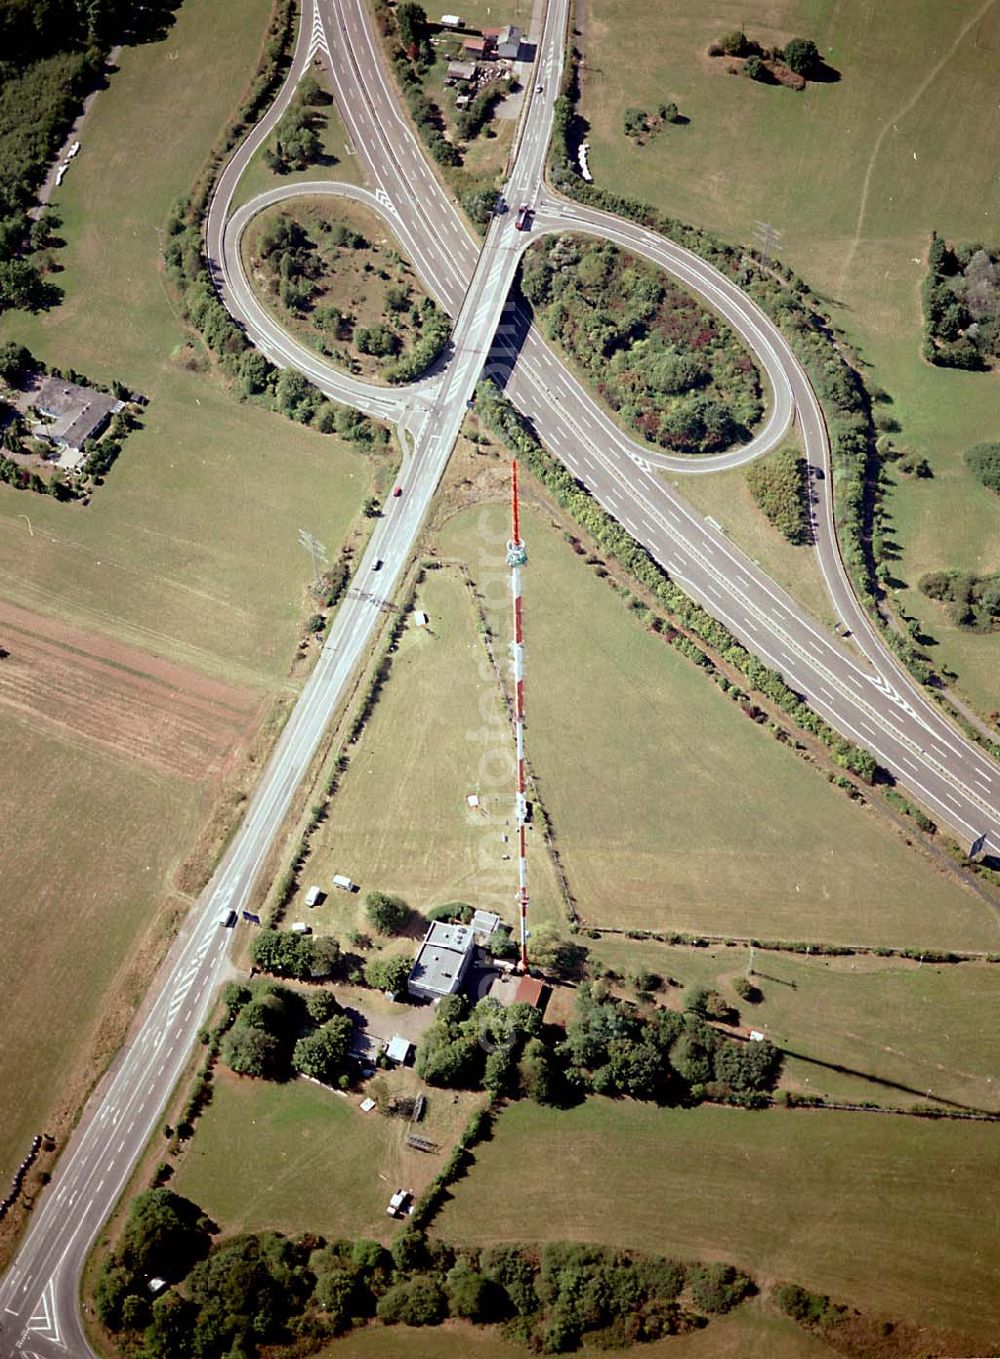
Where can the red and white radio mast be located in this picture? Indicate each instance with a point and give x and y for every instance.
(517, 556)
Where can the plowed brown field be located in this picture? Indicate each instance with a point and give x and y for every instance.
(160, 714)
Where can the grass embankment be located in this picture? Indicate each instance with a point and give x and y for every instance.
(336, 277)
(300, 1158)
(892, 142)
(400, 821)
(900, 1030)
(338, 159)
(671, 809)
(727, 498)
(189, 551)
(867, 1208)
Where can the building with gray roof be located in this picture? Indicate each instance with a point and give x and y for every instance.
(442, 961)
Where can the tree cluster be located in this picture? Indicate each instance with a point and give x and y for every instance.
(983, 461)
(480, 204)
(612, 1049)
(164, 1236)
(296, 142)
(974, 600)
(478, 1048)
(961, 297)
(778, 484)
(640, 125)
(276, 1031)
(385, 913)
(474, 117)
(800, 56)
(262, 1289)
(302, 957)
(678, 375)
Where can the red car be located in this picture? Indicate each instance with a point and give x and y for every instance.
(398, 490)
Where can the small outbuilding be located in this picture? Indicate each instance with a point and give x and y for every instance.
(398, 1049)
(315, 896)
(459, 73)
(485, 923)
(475, 47)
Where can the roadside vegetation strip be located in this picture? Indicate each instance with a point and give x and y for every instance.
(742, 1185)
(500, 416)
(454, 136)
(336, 277)
(675, 373)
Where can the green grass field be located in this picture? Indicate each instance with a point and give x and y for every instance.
(858, 173)
(299, 1158)
(897, 1022)
(400, 821)
(75, 900)
(753, 1331)
(187, 550)
(671, 810)
(884, 1213)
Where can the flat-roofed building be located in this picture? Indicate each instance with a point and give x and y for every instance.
(442, 961)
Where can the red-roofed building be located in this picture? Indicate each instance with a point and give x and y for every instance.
(531, 991)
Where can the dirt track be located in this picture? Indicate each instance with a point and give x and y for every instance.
(158, 713)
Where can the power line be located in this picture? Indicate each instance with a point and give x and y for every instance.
(319, 554)
(765, 233)
(517, 556)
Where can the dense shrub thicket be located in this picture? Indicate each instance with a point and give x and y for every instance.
(778, 484)
(247, 1292)
(983, 461)
(974, 600)
(676, 374)
(961, 296)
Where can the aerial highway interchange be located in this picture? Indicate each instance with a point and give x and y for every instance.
(859, 690)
